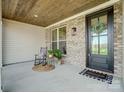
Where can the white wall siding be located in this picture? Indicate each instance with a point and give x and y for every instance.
(21, 41)
(0, 41)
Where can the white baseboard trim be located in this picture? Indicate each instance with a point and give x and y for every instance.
(18, 62)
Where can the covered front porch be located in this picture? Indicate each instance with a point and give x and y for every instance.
(89, 35)
(64, 78)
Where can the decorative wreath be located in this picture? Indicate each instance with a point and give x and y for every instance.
(99, 28)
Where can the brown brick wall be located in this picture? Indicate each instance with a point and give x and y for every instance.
(118, 39)
(76, 51)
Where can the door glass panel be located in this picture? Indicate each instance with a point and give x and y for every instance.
(62, 33)
(99, 35)
(99, 25)
(95, 45)
(54, 35)
(94, 22)
(103, 25)
(104, 32)
(103, 45)
(54, 45)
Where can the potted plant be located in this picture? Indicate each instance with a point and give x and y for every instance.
(50, 53)
(58, 54)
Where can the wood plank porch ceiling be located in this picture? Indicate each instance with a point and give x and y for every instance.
(48, 11)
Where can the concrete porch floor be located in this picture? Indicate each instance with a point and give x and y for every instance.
(21, 78)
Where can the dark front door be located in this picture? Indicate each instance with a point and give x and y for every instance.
(100, 40)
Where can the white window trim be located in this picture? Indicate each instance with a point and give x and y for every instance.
(57, 36)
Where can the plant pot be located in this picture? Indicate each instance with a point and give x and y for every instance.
(59, 61)
(62, 61)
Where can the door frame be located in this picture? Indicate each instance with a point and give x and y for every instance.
(111, 19)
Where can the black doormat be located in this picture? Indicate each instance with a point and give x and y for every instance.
(96, 75)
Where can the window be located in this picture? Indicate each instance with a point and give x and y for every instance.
(59, 39)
